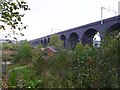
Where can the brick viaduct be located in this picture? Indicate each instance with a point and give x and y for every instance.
(83, 34)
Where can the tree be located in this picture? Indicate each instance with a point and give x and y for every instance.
(11, 16)
(7, 46)
(55, 41)
(38, 59)
(24, 54)
(109, 61)
(85, 66)
(37, 50)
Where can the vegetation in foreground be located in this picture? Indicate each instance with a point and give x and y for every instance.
(84, 67)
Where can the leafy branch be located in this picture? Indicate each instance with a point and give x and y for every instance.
(11, 16)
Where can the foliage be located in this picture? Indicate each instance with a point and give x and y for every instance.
(55, 41)
(24, 53)
(23, 78)
(8, 51)
(109, 60)
(53, 69)
(8, 46)
(37, 50)
(11, 16)
(39, 63)
(38, 59)
(84, 67)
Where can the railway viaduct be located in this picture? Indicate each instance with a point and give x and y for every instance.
(83, 34)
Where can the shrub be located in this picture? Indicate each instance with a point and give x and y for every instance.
(84, 67)
(24, 53)
(109, 59)
(23, 78)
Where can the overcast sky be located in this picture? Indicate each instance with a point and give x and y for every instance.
(50, 16)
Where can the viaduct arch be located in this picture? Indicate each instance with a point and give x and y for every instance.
(73, 39)
(83, 34)
(87, 37)
(63, 38)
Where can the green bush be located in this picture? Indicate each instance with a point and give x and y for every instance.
(55, 41)
(84, 67)
(23, 78)
(109, 60)
(8, 46)
(24, 53)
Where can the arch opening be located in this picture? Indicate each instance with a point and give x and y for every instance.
(63, 38)
(115, 27)
(113, 30)
(45, 42)
(41, 41)
(73, 40)
(48, 40)
(91, 36)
